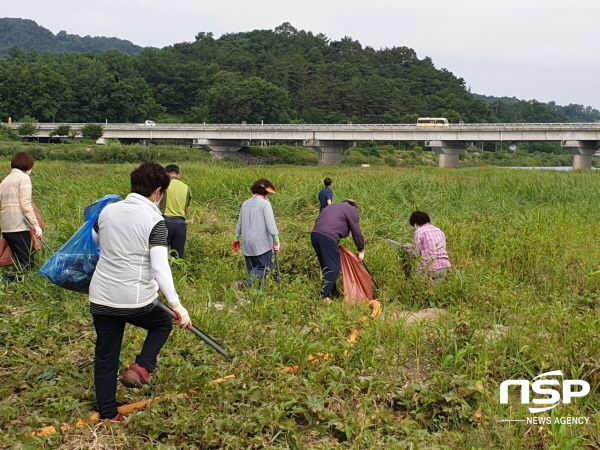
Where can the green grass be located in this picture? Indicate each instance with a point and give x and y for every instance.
(521, 300)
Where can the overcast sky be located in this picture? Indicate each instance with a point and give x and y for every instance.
(530, 49)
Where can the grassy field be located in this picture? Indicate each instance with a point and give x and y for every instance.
(521, 300)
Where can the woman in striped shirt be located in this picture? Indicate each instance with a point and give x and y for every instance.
(133, 265)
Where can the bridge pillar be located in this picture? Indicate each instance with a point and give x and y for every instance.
(583, 152)
(449, 151)
(330, 152)
(220, 148)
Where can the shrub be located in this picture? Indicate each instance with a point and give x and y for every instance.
(390, 160)
(27, 129)
(354, 156)
(38, 152)
(92, 131)
(286, 154)
(7, 134)
(63, 130)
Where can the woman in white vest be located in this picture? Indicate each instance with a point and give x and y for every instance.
(133, 265)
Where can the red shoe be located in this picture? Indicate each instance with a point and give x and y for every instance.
(136, 377)
(118, 418)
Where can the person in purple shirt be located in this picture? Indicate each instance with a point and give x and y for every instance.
(336, 221)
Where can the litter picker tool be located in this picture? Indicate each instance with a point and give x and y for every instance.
(369, 272)
(206, 338)
(278, 268)
(42, 240)
(399, 244)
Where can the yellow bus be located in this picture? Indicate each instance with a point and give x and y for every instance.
(432, 122)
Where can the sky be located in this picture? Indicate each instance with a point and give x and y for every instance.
(547, 50)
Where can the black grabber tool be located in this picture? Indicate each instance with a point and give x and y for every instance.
(206, 338)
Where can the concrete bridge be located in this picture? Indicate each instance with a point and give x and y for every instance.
(331, 141)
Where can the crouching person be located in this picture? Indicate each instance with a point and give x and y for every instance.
(133, 264)
(430, 245)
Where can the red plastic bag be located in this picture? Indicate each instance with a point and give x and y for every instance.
(358, 284)
(5, 253)
(35, 242)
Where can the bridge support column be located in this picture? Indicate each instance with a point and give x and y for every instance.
(583, 152)
(449, 151)
(330, 152)
(220, 148)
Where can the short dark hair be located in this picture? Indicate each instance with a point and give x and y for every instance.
(327, 182)
(351, 202)
(172, 168)
(148, 177)
(260, 187)
(418, 218)
(22, 161)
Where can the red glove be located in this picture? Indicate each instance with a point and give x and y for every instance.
(236, 245)
(276, 246)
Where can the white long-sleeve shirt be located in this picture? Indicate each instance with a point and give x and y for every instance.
(15, 202)
(125, 276)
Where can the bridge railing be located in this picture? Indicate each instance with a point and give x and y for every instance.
(303, 126)
(475, 127)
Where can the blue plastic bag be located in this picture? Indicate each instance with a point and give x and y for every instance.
(73, 265)
(93, 211)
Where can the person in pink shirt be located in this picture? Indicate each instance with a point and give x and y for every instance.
(430, 246)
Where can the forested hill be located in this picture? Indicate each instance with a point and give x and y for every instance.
(27, 34)
(513, 110)
(272, 76)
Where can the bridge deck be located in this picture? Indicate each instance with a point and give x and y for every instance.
(346, 132)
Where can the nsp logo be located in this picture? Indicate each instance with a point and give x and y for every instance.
(554, 395)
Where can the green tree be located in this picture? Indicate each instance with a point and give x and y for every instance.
(119, 64)
(132, 101)
(234, 100)
(91, 84)
(62, 130)
(33, 89)
(27, 129)
(92, 131)
(7, 133)
(198, 114)
(259, 100)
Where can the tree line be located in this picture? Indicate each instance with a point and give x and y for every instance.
(283, 75)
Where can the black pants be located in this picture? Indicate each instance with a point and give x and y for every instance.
(258, 267)
(19, 243)
(177, 234)
(328, 252)
(109, 336)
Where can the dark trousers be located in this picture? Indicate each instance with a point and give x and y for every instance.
(19, 243)
(177, 234)
(258, 267)
(109, 336)
(328, 252)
